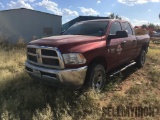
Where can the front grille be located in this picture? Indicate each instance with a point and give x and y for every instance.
(44, 56)
(32, 58)
(49, 53)
(48, 61)
(31, 50)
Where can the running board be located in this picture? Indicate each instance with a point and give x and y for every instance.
(131, 64)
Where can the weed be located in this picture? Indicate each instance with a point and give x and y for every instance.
(23, 98)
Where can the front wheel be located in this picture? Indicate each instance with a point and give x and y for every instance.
(97, 77)
(141, 59)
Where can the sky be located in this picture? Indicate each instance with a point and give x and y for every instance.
(138, 12)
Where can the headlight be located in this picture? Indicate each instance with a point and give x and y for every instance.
(74, 58)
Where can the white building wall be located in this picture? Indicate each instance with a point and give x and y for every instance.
(27, 24)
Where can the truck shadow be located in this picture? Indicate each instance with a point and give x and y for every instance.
(23, 98)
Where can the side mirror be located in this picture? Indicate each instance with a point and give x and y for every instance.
(119, 34)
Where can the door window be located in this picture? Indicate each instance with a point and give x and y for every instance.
(127, 27)
(114, 28)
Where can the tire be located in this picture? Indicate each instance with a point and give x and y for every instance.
(141, 59)
(97, 77)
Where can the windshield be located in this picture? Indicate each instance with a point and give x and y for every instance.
(95, 28)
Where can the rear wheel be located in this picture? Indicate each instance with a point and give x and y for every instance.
(97, 77)
(141, 59)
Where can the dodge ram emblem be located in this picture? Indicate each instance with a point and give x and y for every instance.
(119, 49)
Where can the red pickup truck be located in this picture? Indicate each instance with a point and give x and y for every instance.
(86, 52)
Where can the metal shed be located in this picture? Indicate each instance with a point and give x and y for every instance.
(28, 24)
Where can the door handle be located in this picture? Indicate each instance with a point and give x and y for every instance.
(123, 43)
(134, 40)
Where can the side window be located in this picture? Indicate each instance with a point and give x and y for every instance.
(115, 27)
(127, 27)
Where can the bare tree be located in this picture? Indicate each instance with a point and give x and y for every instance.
(113, 16)
(144, 26)
(117, 17)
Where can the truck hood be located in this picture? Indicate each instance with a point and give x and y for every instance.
(66, 43)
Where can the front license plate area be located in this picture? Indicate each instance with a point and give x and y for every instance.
(37, 73)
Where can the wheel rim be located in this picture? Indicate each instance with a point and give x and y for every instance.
(97, 81)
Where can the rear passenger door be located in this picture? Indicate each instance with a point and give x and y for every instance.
(130, 42)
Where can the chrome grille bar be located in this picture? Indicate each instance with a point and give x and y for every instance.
(39, 56)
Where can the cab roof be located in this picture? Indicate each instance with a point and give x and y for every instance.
(98, 20)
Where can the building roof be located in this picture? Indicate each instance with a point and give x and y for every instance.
(137, 27)
(29, 10)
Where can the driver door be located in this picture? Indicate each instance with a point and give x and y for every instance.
(116, 46)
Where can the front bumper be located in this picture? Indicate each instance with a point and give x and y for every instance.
(72, 78)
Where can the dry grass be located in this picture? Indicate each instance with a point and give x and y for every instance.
(23, 98)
